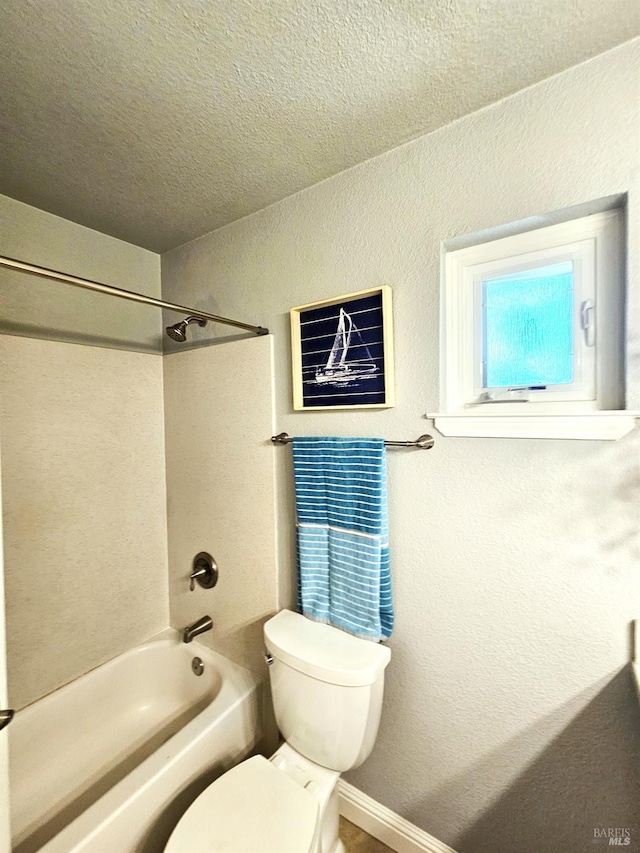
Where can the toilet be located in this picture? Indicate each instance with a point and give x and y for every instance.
(327, 691)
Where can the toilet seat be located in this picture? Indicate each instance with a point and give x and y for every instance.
(253, 808)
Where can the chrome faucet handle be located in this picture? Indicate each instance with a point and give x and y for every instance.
(205, 571)
(196, 574)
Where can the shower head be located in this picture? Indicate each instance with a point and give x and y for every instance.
(178, 332)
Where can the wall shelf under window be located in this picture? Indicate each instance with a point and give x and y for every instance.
(590, 426)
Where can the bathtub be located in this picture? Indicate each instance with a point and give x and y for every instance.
(108, 763)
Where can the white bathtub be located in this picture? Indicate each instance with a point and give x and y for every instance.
(108, 763)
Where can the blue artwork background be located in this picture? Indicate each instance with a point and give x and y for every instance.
(318, 328)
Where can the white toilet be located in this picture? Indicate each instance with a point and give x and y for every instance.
(327, 693)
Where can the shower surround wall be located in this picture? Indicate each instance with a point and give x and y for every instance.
(38, 308)
(87, 558)
(510, 723)
(220, 491)
(83, 475)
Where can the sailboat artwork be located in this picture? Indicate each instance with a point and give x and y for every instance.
(349, 359)
(342, 352)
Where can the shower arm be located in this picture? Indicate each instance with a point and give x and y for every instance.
(96, 286)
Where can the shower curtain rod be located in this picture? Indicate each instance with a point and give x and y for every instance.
(87, 284)
(425, 442)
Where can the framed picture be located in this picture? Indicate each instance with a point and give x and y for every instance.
(343, 352)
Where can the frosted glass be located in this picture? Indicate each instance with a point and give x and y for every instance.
(529, 328)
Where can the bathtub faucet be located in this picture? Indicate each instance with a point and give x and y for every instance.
(199, 627)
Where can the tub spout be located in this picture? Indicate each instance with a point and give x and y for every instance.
(199, 627)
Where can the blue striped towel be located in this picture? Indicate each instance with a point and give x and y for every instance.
(343, 534)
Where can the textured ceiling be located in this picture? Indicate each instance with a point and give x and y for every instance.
(160, 120)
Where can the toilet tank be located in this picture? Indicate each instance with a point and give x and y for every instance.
(327, 689)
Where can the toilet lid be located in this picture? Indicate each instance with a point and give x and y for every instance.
(253, 808)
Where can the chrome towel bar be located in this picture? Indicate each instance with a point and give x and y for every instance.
(425, 442)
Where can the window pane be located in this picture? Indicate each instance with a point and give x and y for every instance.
(528, 327)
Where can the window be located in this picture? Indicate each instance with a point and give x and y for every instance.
(533, 325)
(528, 328)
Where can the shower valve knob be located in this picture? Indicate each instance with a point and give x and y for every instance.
(194, 575)
(205, 571)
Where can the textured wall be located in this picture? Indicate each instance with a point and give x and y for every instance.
(509, 721)
(83, 458)
(84, 508)
(220, 491)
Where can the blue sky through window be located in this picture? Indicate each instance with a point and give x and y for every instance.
(529, 327)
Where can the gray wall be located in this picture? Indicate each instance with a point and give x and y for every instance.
(509, 720)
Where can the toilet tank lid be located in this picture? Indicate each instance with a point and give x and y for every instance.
(324, 652)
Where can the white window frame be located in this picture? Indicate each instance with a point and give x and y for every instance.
(595, 244)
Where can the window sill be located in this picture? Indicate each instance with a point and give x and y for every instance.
(603, 426)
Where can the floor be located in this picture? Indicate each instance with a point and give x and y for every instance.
(355, 840)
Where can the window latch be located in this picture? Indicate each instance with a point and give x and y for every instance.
(586, 321)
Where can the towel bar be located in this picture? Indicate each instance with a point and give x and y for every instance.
(425, 442)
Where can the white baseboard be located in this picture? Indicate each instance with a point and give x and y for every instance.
(387, 826)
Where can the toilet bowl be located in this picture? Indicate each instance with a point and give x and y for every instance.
(253, 808)
(327, 691)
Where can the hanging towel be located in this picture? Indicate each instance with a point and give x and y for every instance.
(343, 534)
